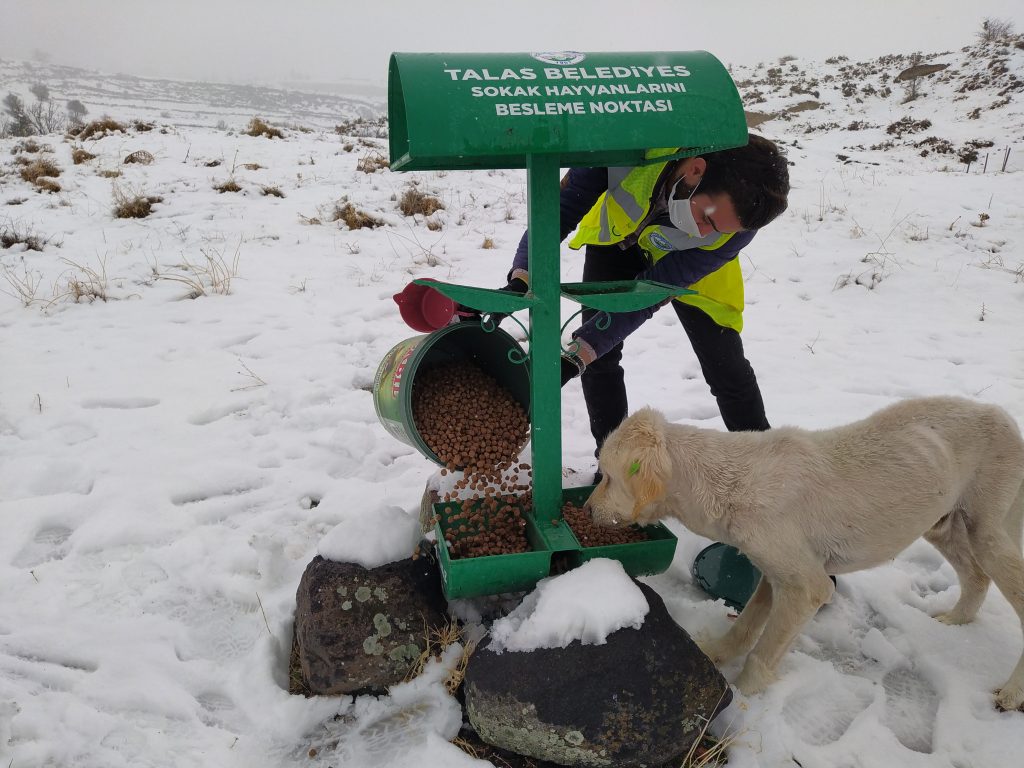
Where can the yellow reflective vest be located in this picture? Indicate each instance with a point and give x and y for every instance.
(624, 207)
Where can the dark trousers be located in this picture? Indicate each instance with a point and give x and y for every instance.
(719, 351)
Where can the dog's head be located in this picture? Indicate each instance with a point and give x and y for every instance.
(635, 464)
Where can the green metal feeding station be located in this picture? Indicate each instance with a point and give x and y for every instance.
(544, 112)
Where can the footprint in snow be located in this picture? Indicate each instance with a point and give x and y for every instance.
(911, 704)
(821, 714)
(47, 544)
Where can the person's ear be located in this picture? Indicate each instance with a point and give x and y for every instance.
(693, 170)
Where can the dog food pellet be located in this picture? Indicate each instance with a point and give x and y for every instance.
(494, 526)
(590, 535)
(469, 420)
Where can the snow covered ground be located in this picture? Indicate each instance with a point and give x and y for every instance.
(169, 465)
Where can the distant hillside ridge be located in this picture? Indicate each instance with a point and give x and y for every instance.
(948, 105)
(186, 102)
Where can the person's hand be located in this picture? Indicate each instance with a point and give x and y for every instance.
(517, 286)
(572, 366)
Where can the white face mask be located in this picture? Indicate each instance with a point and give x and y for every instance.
(680, 212)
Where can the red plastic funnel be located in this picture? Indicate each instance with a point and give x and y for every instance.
(423, 309)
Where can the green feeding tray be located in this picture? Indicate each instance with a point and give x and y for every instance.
(483, 299)
(621, 295)
(724, 572)
(518, 572)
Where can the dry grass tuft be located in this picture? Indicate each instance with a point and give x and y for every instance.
(252, 166)
(227, 186)
(46, 184)
(109, 173)
(133, 205)
(11, 235)
(372, 162)
(271, 192)
(97, 129)
(414, 201)
(353, 217)
(141, 157)
(28, 145)
(438, 640)
(488, 243)
(79, 156)
(142, 127)
(258, 127)
(82, 282)
(213, 275)
(38, 169)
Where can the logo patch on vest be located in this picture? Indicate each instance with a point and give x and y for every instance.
(561, 58)
(660, 242)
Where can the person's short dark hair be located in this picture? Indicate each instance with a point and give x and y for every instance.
(755, 176)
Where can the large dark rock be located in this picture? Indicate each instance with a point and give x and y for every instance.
(642, 698)
(361, 630)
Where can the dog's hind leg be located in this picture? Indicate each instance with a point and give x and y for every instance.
(949, 536)
(793, 604)
(999, 552)
(745, 630)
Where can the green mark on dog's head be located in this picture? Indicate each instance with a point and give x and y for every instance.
(634, 468)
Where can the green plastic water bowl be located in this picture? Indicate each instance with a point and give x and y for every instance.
(725, 573)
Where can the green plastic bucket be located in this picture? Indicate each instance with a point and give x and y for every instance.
(491, 351)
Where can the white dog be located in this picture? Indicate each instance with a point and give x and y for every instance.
(802, 505)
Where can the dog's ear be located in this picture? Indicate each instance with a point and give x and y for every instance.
(649, 463)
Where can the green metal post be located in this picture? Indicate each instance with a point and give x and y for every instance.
(545, 333)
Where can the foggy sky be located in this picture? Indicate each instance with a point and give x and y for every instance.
(330, 40)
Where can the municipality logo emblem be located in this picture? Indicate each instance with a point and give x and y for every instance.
(561, 58)
(660, 242)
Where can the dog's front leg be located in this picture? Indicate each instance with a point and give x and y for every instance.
(744, 631)
(792, 606)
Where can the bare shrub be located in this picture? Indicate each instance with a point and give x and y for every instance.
(46, 117)
(97, 129)
(79, 156)
(258, 127)
(994, 30)
(271, 192)
(376, 128)
(414, 201)
(907, 125)
(353, 217)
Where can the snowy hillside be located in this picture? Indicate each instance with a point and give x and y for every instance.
(185, 405)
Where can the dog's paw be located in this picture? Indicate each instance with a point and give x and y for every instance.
(1010, 697)
(755, 677)
(715, 649)
(953, 618)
